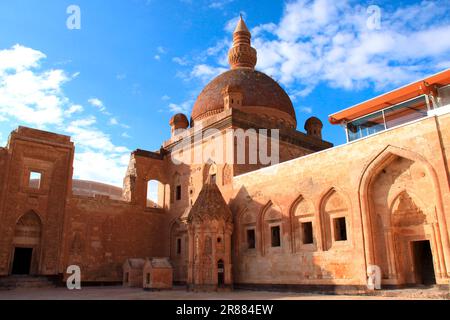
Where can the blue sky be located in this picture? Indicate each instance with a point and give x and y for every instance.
(114, 84)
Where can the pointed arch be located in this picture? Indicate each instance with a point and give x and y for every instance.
(260, 226)
(28, 228)
(209, 168)
(239, 226)
(404, 210)
(415, 198)
(29, 218)
(334, 202)
(308, 214)
(380, 160)
(172, 227)
(272, 215)
(292, 211)
(227, 175)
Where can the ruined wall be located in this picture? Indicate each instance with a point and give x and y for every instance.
(102, 233)
(42, 206)
(96, 233)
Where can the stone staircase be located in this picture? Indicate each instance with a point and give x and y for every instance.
(16, 281)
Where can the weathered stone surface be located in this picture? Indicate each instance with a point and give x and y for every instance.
(157, 274)
(320, 217)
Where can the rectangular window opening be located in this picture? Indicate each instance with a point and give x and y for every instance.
(178, 246)
(178, 193)
(340, 229)
(275, 232)
(35, 180)
(307, 232)
(251, 243)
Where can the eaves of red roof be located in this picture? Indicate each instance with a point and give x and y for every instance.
(412, 90)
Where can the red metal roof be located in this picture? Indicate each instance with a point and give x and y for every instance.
(412, 90)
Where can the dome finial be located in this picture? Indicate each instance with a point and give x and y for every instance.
(242, 54)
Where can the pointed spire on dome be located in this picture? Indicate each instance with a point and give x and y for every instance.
(241, 26)
(242, 54)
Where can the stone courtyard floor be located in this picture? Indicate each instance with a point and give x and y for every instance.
(120, 293)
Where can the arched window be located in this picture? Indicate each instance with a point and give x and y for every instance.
(210, 172)
(272, 228)
(303, 225)
(335, 219)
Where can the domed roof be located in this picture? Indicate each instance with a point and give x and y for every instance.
(257, 88)
(313, 121)
(179, 118)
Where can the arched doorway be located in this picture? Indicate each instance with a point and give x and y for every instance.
(400, 219)
(25, 250)
(220, 273)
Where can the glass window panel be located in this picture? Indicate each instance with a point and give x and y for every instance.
(365, 126)
(406, 112)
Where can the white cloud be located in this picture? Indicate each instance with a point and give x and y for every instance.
(183, 107)
(161, 50)
(113, 121)
(206, 72)
(97, 103)
(84, 134)
(99, 159)
(180, 61)
(165, 97)
(157, 57)
(28, 94)
(33, 96)
(326, 41)
(231, 24)
(219, 4)
(100, 166)
(74, 108)
(19, 58)
(84, 122)
(306, 110)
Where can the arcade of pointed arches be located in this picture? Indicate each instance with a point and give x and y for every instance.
(391, 232)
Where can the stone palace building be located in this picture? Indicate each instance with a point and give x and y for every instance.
(323, 216)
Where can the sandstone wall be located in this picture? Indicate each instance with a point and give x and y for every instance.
(102, 233)
(331, 183)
